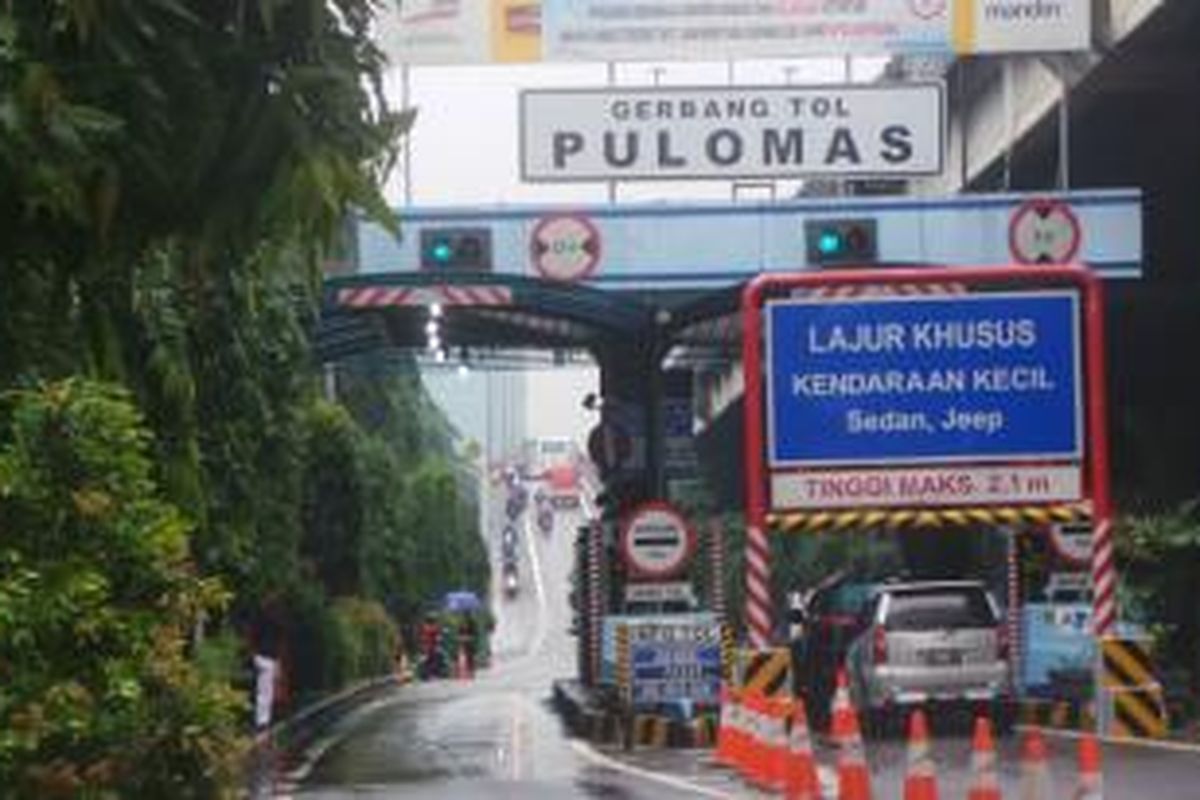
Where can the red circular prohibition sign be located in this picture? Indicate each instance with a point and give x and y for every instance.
(538, 249)
(671, 568)
(1038, 212)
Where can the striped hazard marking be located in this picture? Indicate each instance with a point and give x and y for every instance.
(1139, 713)
(1138, 708)
(767, 671)
(359, 297)
(806, 521)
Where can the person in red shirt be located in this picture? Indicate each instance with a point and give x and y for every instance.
(430, 638)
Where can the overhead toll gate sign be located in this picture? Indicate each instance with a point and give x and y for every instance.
(918, 380)
(725, 132)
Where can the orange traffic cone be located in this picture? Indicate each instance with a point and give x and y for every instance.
(776, 743)
(759, 767)
(800, 773)
(749, 762)
(920, 780)
(985, 785)
(739, 734)
(854, 778)
(726, 734)
(1091, 779)
(1035, 772)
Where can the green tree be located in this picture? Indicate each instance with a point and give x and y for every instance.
(98, 598)
(1159, 557)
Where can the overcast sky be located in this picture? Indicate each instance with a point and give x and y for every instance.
(464, 145)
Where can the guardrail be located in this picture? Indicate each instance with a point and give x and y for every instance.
(271, 755)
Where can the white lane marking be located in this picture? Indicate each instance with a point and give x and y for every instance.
(539, 588)
(515, 733)
(679, 784)
(1119, 741)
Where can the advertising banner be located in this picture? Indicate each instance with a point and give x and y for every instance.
(633, 30)
(924, 380)
(1023, 26)
(448, 32)
(636, 30)
(725, 132)
(511, 31)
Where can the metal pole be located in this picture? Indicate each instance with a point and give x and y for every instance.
(1064, 127)
(330, 381)
(1007, 89)
(716, 553)
(405, 97)
(612, 81)
(596, 605)
(964, 110)
(758, 546)
(1014, 604)
(1104, 569)
(848, 77)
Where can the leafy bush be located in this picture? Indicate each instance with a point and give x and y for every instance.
(98, 695)
(372, 639)
(1159, 558)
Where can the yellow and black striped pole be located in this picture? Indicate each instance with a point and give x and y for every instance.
(767, 671)
(624, 674)
(1129, 684)
(727, 654)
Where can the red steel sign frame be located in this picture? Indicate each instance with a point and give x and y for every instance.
(1097, 489)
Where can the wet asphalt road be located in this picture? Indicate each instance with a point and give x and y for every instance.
(497, 737)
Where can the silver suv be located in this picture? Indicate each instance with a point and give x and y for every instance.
(927, 642)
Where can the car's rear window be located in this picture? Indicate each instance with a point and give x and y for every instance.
(845, 599)
(935, 609)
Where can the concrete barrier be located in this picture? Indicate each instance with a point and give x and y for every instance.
(596, 717)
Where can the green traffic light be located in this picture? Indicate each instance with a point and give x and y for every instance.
(829, 243)
(442, 252)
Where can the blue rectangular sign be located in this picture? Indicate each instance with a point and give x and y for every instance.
(667, 672)
(904, 380)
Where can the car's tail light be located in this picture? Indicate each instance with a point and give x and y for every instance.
(879, 652)
(1002, 644)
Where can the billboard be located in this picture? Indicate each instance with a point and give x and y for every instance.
(437, 32)
(612, 30)
(511, 31)
(886, 381)
(659, 133)
(630, 30)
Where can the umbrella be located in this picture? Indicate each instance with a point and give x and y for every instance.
(461, 602)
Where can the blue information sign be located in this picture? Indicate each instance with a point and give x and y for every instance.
(670, 671)
(903, 380)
